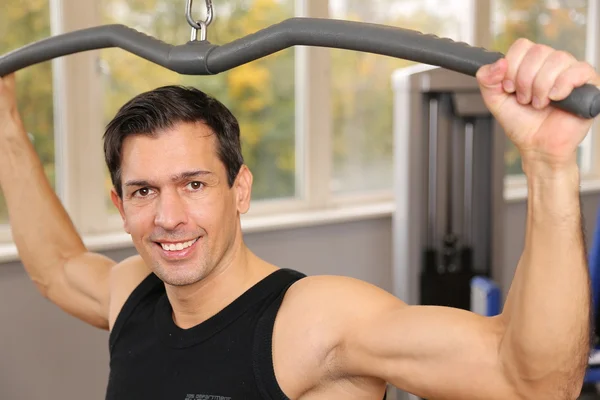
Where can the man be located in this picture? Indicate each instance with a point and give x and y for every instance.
(197, 314)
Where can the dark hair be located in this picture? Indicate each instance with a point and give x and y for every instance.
(162, 108)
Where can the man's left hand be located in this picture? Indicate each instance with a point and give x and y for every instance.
(517, 90)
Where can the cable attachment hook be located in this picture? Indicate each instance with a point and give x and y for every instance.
(199, 25)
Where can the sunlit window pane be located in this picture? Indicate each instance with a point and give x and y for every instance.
(22, 23)
(260, 94)
(362, 92)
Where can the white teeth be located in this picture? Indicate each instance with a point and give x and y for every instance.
(178, 246)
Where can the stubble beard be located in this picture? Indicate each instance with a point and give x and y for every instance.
(183, 273)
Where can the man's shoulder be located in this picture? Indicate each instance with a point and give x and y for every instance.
(333, 291)
(316, 318)
(125, 277)
(129, 273)
(333, 302)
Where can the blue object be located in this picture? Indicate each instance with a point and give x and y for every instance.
(485, 296)
(594, 265)
(593, 373)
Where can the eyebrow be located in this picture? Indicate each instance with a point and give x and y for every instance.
(174, 178)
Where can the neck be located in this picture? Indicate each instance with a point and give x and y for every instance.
(237, 273)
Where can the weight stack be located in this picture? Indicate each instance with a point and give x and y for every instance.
(448, 189)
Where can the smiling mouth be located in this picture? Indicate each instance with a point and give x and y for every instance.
(177, 246)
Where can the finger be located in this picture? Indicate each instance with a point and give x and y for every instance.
(490, 76)
(490, 79)
(528, 70)
(555, 64)
(7, 83)
(10, 81)
(514, 56)
(577, 75)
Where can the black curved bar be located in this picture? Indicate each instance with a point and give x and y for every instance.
(204, 58)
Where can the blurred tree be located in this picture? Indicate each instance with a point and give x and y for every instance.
(362, 95)
(22, 23)
(260, 94)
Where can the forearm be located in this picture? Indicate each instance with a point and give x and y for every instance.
(547, 313)
(42, 230)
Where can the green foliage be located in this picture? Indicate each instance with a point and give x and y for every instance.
(22, 23)
(262, 93)
(362, 98)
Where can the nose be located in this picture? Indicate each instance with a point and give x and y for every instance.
(171, 210)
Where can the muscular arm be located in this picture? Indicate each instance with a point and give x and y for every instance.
(537, 348)
(433, 352)
(50, 248)
(547, 313)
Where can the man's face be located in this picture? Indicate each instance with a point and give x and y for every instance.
(177, 205)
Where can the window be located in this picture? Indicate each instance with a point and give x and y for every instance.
(260, 94)
(562, 24)
(361, 89)
(316, 123)
(22, 23)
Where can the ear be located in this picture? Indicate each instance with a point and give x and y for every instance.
(118, 202)
(243, 189)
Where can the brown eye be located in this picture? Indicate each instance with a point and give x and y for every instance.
(196, 185)
(143, 192)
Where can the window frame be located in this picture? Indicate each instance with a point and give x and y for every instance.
(78, 128)
(313, 138)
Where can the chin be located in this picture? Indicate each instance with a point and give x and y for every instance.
(178, 275)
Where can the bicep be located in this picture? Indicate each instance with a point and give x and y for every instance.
(82, 288)
(432, 352)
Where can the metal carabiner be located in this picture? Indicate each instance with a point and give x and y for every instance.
(199, 25)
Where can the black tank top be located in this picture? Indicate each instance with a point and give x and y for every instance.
(227, 357)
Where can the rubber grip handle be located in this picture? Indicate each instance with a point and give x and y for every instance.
(203, 58)
(378, 39)
(183, 59)
(584, 101)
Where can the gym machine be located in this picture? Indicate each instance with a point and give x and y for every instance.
(448, 186)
